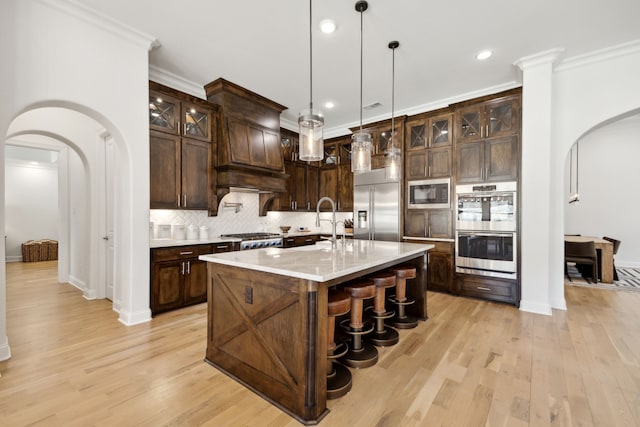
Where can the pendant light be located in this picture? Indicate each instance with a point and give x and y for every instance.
(393, 158)
(310, 121)
(361, 141)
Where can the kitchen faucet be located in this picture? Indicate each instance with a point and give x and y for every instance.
(332, 221)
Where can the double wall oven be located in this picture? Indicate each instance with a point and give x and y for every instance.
(486, 229)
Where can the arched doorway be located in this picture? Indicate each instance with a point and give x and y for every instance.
(83, 213)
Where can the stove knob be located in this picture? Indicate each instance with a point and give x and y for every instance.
(259, 244)
(253, 246)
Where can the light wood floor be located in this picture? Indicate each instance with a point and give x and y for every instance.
(471, 363)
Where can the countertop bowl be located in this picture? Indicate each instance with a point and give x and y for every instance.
(285, 228)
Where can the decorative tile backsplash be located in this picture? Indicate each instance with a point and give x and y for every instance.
(246, 220)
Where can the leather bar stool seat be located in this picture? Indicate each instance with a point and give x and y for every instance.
(360, 354)
(338, 376)
(382, 335)
(401, 320)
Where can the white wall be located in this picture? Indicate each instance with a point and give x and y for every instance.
(80, 236)
(586, 92)
(609, 186)
(31, 203)
(64, 55)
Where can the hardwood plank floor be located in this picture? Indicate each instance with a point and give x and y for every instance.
(472, 363)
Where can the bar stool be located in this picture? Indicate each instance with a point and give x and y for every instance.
(382, 335)
(338, 376)
(402, 320)
(360, 354)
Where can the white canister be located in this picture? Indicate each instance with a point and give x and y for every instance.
(204, 232)
(177, 232)
(163, 231)
(192, 232)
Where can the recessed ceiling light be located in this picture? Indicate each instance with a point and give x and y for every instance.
(329, 105)
(482, 55)
(327, 26)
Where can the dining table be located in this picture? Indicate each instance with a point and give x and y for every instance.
(605, 258)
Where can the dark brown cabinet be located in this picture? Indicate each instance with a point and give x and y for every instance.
(488, 119)
(429, 223)
(178, 277)
(382, 138)
(294, 241)
(180, 117)
(254, 145)
(440, 271)
(301, 188)
(428, 147)
(488, 160)
(490, 288)
(336, 178)
(179, 172)
(180, 149)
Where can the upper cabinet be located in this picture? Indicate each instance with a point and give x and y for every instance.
(382, 138)
(336, 178)
(179, 117)
(429, 146)
(180, 150)
(487, 140)
(488, 119)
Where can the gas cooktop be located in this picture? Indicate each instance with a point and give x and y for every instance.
(251, 236)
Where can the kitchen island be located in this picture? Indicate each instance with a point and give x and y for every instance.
(267, 314)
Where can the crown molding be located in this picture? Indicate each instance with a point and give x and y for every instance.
(624, 49)
(541, 58)
(175, 81)
(97, 19)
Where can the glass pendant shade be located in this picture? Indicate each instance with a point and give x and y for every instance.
(393, 164)
(311, 126)
(361, 152)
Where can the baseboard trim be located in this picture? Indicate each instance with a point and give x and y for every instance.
(130, 319)
(5, 350)
(13, 258)
(535, 307)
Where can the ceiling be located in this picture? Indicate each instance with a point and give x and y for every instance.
(264, 46)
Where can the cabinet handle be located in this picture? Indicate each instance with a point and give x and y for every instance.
(178, 199)
(188, 267)
(186, 253)
(486, 173)
(486, 132)
(184, 203)
(429, 231)
(308, 240)
(483, 288)
(182, 268)
(429, 174)
(308, 206)
(184, 128)
(222, 247)
(178, 126)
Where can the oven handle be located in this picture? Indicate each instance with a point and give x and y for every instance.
(471, 233)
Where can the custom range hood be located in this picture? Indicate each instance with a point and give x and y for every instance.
(249, 156)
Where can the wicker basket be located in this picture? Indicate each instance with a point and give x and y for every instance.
(40, 250)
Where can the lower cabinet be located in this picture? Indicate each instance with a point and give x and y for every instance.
(440, 268)
(178, 277)
(489, 288)
(293, 241)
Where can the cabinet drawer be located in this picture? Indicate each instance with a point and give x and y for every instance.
(486, 288)
(177, 252)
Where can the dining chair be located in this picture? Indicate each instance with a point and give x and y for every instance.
(581, 253)
(616, 245)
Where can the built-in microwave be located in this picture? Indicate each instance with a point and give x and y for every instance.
(429, 194)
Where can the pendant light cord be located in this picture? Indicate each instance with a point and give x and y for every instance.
(393, 94)
(361, 20)
(310, 56)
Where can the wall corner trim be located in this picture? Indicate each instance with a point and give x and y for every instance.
(535, 307)
(5, 351)
(130, 319)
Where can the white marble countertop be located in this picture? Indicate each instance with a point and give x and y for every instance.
(167, 243)
(319, 262)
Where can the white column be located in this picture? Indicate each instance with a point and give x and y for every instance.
(536, 180)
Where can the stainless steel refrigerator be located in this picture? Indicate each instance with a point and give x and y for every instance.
(376, 207)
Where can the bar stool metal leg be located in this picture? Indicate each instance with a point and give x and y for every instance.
(360, 354)
(338, 376)
(402, 320)
(382, 335)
